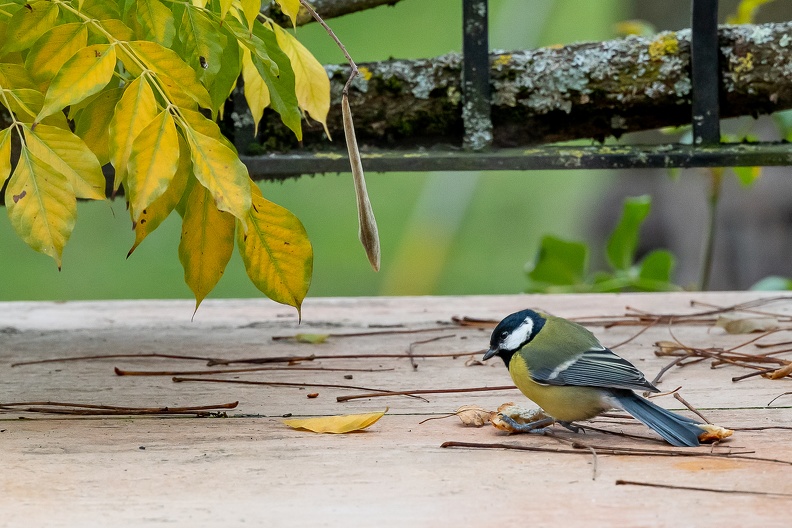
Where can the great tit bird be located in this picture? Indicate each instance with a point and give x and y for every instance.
(565, 370)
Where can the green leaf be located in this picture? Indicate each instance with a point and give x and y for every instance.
(202, 38)
(657, 266)
(222, 84)
(283, 98)
(559, 263)
(134, 111)
(747, 175)
(41, 205)
(276, 251)
(156, 21)
(773, 283)
(152, 216)
(68, 155)
(220, 170)
(53, 49)
(207, 242)
(28, 24)
(152, 163)
(84, 74)
(623, 241)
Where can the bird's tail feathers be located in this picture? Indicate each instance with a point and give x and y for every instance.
(677, 430)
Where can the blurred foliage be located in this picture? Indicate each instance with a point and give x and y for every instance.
(562, 266)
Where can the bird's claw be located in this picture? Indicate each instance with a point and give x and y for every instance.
(537, 427)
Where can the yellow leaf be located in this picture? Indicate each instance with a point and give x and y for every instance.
(5, 155)
(93, 122)
(311, 83)
(345, 423)
(162, 60)
(152, 162)
(153, 215)
(251, 8)
(28, 24)
(117, 29)
(276, 251)
(736, 323)
(53, 49)
(41, 205)
(133, 112)
(256, 92)
(290, 8)
(219, 169)
(15, 76)
(68, 155)
(176, 94)
(207, 127)
(84, 74)
(207, 241)
(225, 5)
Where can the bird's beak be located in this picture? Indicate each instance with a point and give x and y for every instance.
(490, 353)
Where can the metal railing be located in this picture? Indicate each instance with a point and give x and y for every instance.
(707, 150)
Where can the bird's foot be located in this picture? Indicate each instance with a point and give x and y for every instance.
(572, 427)
(537, 427)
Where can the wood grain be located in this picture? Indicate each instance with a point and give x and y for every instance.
(250, 468)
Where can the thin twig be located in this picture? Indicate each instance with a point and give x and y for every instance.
(111, 410)
(374, 333)
(412, 346)
(330, 32)
(381, 392)
(421, 391)
(317, 357)
(695, 411)
(697, 488)
(120, 372)
(641, 331)
(111, 356)
(774, 399)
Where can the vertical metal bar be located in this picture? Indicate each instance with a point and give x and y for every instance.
(705, 72)
(476, 75)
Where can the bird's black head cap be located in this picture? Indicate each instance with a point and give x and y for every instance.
(513, 333)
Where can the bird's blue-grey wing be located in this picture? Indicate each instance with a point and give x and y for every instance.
(596, 367)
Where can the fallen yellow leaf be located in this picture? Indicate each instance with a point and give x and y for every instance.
(746, 324)
(345, 423)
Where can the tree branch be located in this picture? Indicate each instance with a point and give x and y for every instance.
(586, 90)
(326, 9)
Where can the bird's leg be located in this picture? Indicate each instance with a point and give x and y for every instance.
(572, 427)
(537, 427)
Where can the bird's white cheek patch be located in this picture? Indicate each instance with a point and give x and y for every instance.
(519, 336)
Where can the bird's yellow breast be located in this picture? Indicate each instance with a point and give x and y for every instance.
(566, 403)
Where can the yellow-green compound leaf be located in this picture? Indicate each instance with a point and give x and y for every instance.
(41, 205)
(203, 42)
(207, 127)
(250, 9)
(53, 49)
(156, 213)
(157, 22)
(15, 76)
(165, 61)
(67, 154)
(207, 241)
(219, 169)
(28, 24)
(93, 123)
(133, 112)
(345, 423)
(225, 5)
(152, 163)
(276, 251)
(84, 74)
(311, 82)
(5, 155)
(256, 91)
(290, 8)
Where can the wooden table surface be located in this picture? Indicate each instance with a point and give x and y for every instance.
(249, 468)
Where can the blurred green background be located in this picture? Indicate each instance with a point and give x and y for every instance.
(441, 233)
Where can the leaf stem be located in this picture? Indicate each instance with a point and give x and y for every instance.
(716, 177)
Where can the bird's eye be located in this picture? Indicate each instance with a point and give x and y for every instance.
(504, 334)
